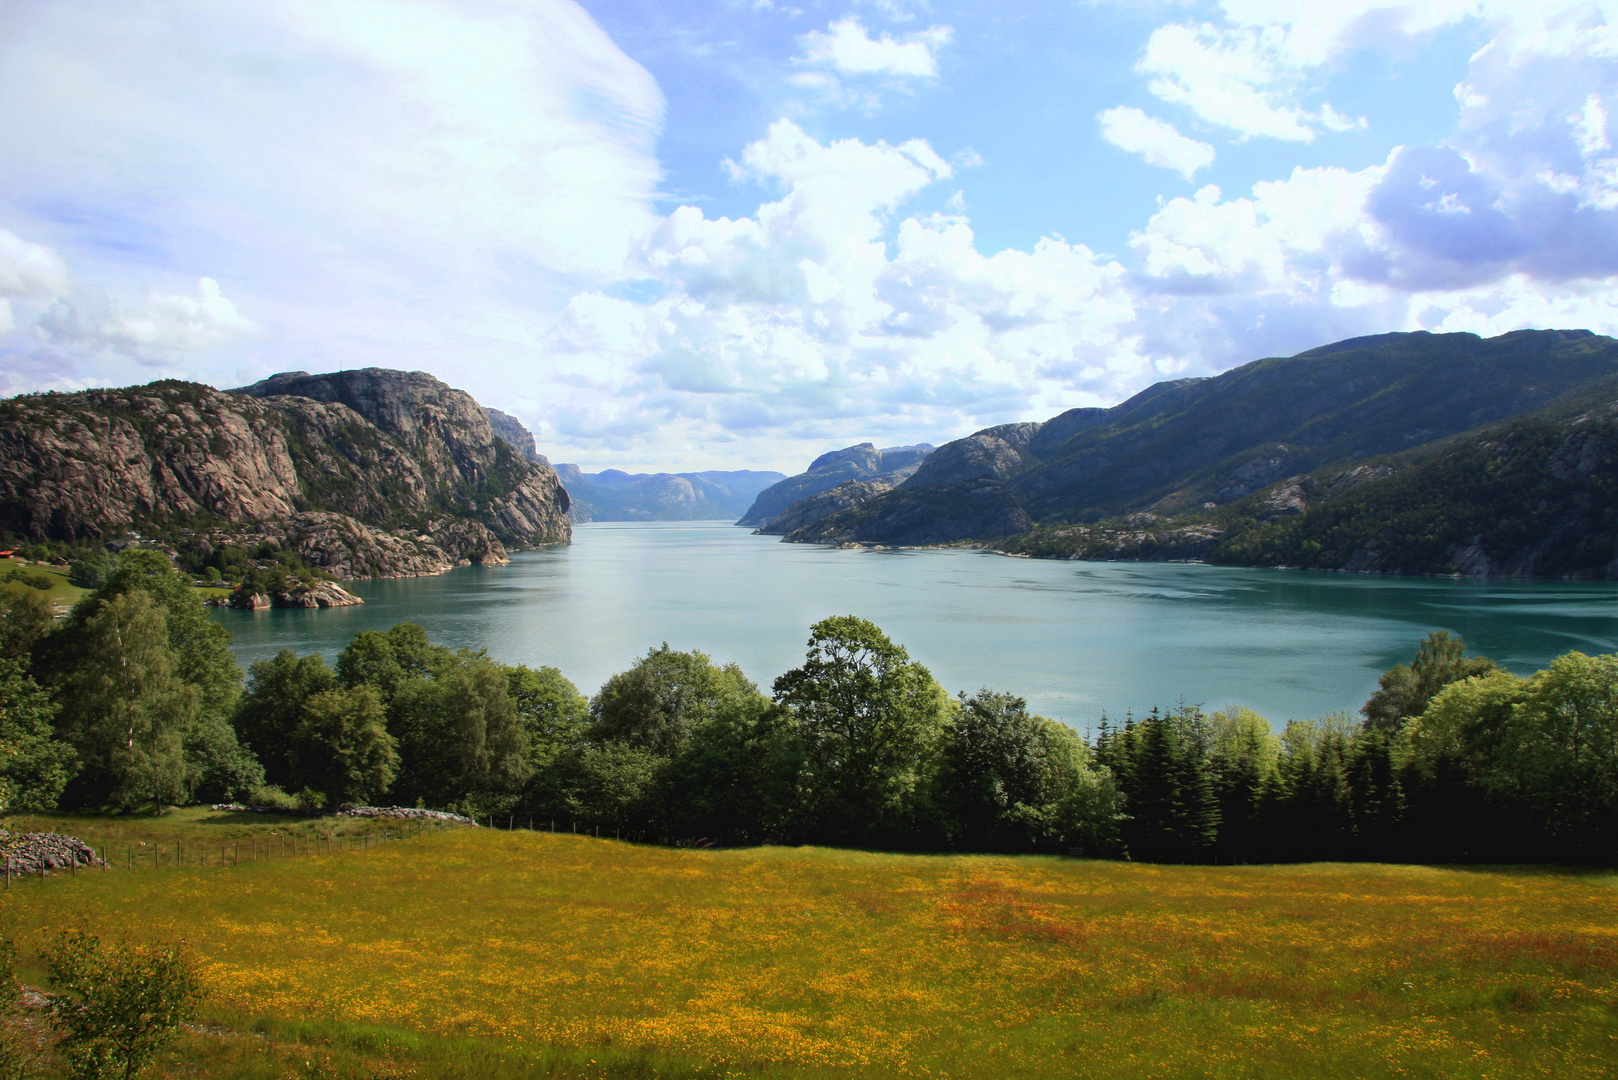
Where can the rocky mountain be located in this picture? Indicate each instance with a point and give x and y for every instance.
(614, 495)
(368, 473)
(511, 430)
(1196, 445)
(806, 512)
(863, 462)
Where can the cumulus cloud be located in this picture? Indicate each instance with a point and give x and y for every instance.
(847, 47)
(29, 270)
(1157, 141)
(1241, 78)
(803, 323)
(153, 331)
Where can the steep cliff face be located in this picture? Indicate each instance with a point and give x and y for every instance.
(179, 455)
(519, 438)
(469, 472)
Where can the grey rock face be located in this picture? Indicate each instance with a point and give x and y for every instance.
(449, 433)
(987, 455)
(511, 431)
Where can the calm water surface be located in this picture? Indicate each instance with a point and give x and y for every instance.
(1075, 638)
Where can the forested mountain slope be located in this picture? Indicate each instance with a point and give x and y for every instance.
(1526, 498)
(1200, 444)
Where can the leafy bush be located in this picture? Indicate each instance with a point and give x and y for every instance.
(116, 1007)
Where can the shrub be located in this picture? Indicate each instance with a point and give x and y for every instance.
(116, 1007)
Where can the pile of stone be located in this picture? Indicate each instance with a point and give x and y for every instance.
(411, 812)
(35, 853)
(238, 808)
(414, 813)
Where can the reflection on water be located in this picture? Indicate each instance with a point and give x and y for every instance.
(1074, 638)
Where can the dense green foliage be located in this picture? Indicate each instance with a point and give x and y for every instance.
(115, 1007)
(136, 701)
(1534, 497)
(1456, 760)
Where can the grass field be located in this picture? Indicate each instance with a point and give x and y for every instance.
(471, 952)
(60, 591)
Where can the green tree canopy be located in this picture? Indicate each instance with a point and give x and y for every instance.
(1013, 781)
(461, 740)
(868, 722)
(125, 710)
(25, 618)
(34, 765)
(341, 749)
(663, 698)
(1404, 690)
(271, 708)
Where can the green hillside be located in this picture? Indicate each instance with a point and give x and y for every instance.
(1531, 498)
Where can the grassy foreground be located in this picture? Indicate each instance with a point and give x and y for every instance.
(479, 953)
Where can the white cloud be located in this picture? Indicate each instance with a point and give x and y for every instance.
(1241, 78)
(847, 48)
(29, 270)
(161, 326)
(801, 324)
(398, 182)
(1158, 142)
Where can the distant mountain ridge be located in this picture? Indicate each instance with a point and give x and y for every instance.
(613, 495)
(1160, 474)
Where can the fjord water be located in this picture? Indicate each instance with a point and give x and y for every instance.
(1075, 638)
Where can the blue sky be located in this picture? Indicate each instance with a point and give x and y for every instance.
(736, 234)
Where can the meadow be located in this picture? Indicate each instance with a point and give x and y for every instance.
(479, 952)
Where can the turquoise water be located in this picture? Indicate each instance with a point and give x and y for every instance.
(1074, 638)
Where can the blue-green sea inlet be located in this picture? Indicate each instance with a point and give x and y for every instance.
(1076, 638)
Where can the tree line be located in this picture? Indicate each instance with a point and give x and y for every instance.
(1453, 759)
(135, 700)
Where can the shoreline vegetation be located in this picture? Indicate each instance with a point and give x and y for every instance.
(135, 700)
